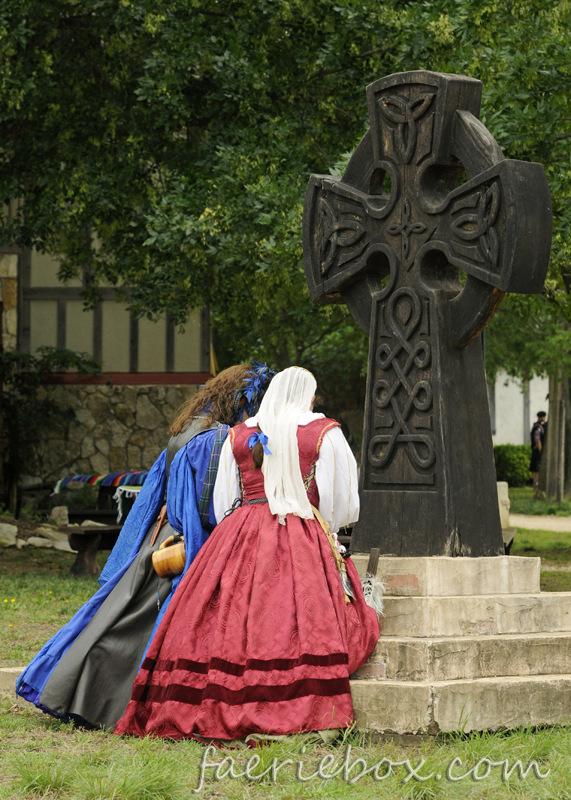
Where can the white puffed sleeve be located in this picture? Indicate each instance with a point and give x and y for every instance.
(337, 482)
(227, 484)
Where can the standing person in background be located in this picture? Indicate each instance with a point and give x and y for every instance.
(270, 620)
(537, 439)
(86, 671)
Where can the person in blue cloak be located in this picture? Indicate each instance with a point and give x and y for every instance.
(86, 671)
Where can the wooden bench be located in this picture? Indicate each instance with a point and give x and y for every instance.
(88, 541)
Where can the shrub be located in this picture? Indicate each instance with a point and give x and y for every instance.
(512, 463)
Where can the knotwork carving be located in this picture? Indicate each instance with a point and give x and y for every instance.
(336, 234)
(404, 113)
(478, 224)
(427, 481)
(406, 228)
(404, 303)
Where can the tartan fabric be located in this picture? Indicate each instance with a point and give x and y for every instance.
(210, 478)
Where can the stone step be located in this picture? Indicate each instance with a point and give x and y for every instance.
(479, 615)
(442, 576)
(8, 677)
(404, 658)
(473, 705)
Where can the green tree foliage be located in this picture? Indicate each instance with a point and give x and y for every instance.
(166, 145)
(28, 410)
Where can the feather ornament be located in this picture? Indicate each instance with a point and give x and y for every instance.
(373, 587)
(373, 590)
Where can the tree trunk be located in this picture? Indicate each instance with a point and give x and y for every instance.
(13, 498)
(554, 458)
(567, 446)
(2, 488)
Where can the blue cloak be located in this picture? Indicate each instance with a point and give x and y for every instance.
(187, 474)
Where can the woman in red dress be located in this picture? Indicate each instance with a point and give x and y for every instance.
(262, 635)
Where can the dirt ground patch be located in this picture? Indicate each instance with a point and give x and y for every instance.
(42, 561)
(48, 561)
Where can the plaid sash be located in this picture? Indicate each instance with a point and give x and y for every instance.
(210, 478)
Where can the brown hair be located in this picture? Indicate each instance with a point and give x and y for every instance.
(258, 452)
(215, 401)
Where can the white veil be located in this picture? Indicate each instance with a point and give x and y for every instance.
(290, 393)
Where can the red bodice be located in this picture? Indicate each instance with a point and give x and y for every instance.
(309, 438)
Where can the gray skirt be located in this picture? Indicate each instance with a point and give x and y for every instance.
(95, 677)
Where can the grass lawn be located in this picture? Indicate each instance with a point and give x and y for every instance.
(37, 597)
(42, 758)
(554, 549)
(522, 502)
(552, 546)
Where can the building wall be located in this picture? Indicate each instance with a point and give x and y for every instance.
(53, 314)
(105, 428)
(513, 408)
(109, 429)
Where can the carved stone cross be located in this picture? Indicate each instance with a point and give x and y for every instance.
(426, 198)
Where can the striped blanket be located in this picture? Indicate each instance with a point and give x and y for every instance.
(110, 479)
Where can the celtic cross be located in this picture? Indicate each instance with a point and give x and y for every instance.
(421, 237)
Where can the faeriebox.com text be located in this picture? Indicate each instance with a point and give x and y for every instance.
(353, 770)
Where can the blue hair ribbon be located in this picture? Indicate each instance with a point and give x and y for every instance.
(262, 439)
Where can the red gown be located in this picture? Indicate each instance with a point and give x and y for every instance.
(258, 637)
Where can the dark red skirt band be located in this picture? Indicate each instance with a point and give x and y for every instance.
(248, 694)
(229, 668)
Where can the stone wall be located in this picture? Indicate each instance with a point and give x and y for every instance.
(109, 428)
(9, 297)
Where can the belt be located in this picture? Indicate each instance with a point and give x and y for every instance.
(160, 522)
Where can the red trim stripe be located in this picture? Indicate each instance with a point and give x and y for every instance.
(131, 378)
(177, 693)
(230, 668)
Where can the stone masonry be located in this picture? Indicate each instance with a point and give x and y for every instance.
(109, 428)
(466, 644)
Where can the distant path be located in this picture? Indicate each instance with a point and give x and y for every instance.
(541, 523)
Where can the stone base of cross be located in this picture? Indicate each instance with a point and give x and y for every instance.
(423, 235)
